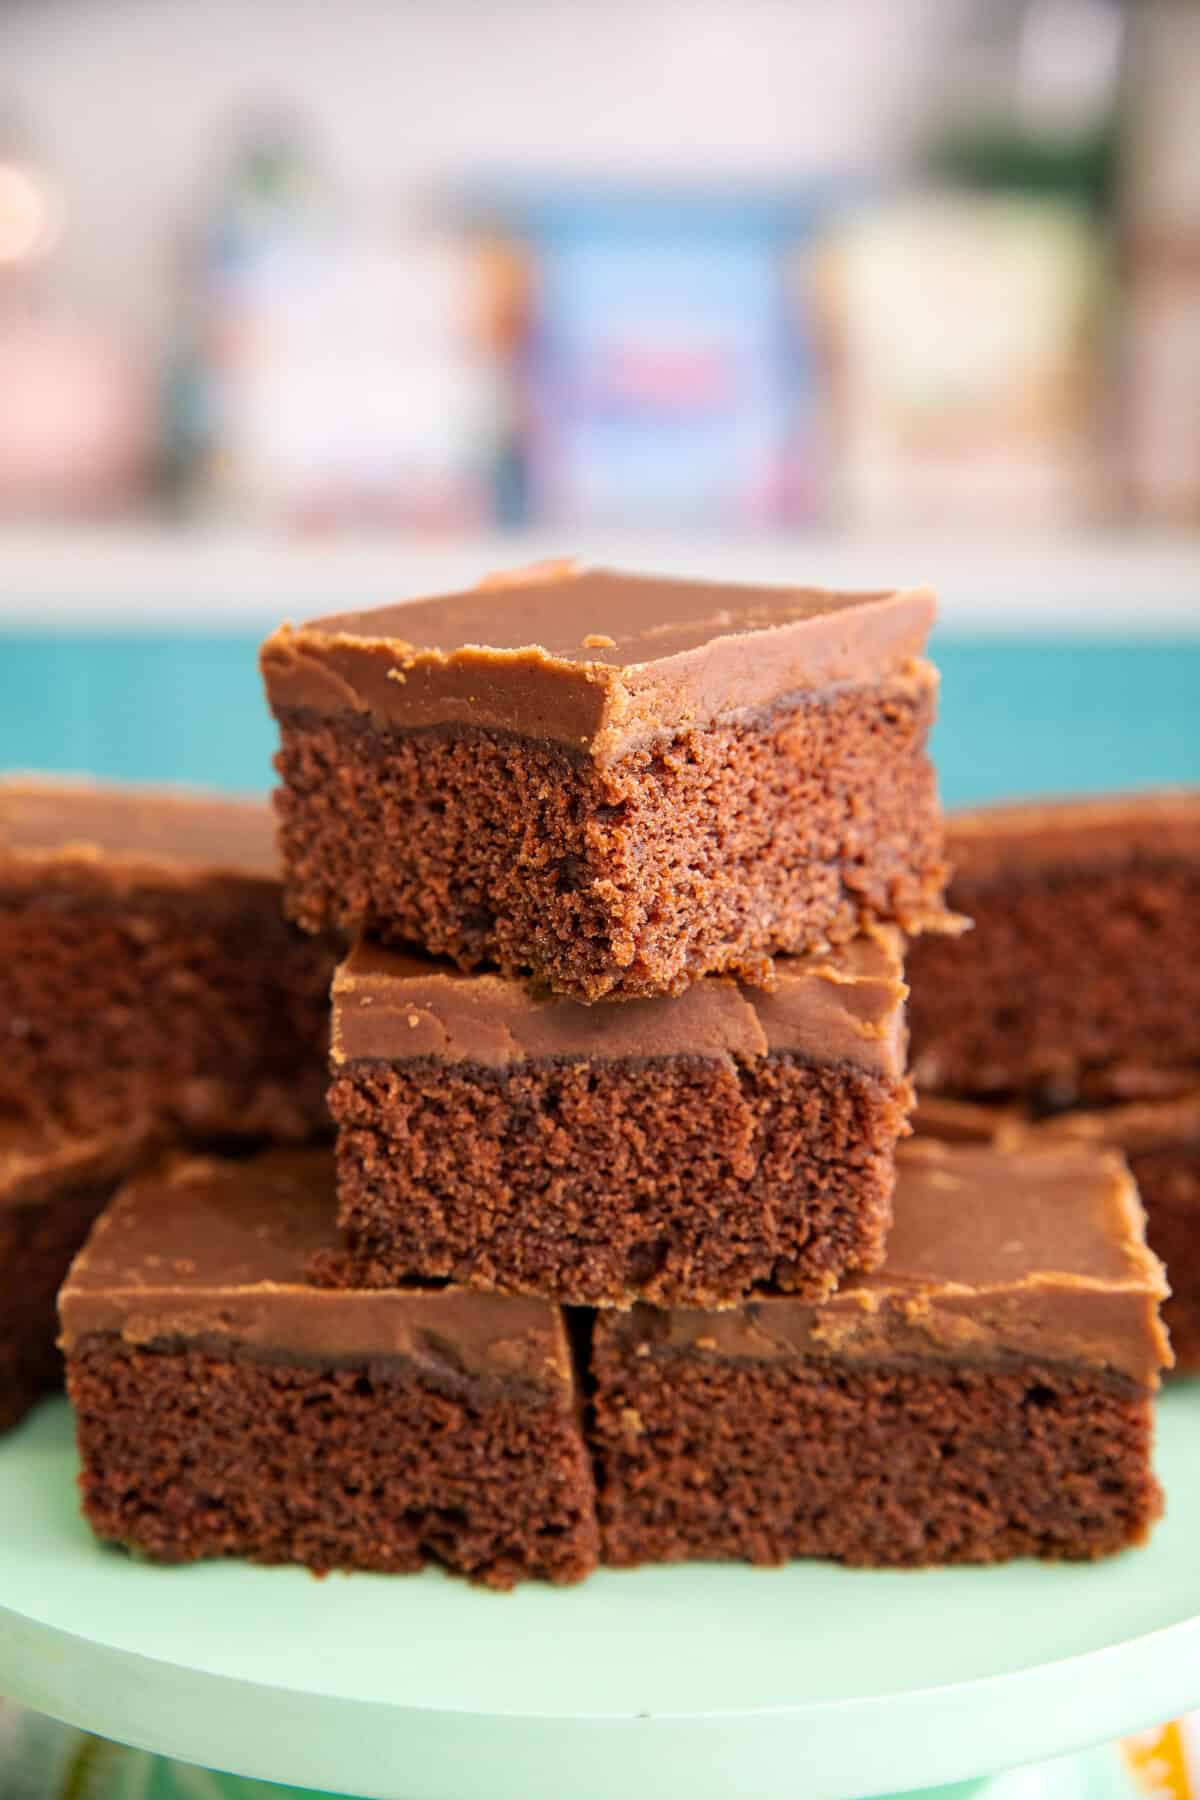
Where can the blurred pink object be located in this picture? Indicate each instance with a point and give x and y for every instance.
(76, 426)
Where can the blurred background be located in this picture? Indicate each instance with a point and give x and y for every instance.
(451, 265)
(306, 305)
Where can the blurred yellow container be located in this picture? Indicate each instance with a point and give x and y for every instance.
(964, 333)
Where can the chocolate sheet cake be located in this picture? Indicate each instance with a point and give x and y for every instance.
(676, 1150)
(225, 1407)
(1161, 1142)
(1081, 978)
(985, 1394)
(52, 1187)
(615, 783)
(146, 969)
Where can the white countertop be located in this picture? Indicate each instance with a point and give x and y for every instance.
(1114, 583)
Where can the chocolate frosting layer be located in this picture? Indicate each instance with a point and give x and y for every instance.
(1047, 837)
(1036, 1254)
(207, 1249)
(38, 1162)
(592, 658)
(1138, 1125)
(1132, 1126)
(171, 834)
(846, 1005)
(954, 1121)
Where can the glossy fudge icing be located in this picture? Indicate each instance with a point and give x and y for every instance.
(984, 1394)
(225, 1406)
(682, 1150)
(169, 834)
(592, 658)
(146, 968)
(844, 1006)
(616, 783)
(1161, 1141)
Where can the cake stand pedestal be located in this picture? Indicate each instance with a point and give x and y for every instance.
(710, 1682)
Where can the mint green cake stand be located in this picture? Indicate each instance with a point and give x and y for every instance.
(701, 1682)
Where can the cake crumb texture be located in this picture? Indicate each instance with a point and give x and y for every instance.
(1064, 977)
(199, 1007)
(684, 1180)
(708, 1458)
(707, 853)
(192, 1453)
(37, 1243)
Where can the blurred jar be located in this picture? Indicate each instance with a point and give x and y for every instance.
(1161, 239)
(964, 343)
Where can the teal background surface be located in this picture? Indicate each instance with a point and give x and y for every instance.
(1018, 717)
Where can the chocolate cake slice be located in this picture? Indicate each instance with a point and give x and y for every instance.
(986, 1394)
(226, 1407)
(1161, 1142)
(52, 1186)
(146, 969)
(1081, 978)
(679, 1150)
(615, 783)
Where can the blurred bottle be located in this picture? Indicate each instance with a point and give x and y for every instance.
(75, 406)
(502, 331)
(417, 403)
(264, 233)
(968, 324)
(1161, 244)
(666, 374)
(328, 367)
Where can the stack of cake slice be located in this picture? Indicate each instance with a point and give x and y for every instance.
(985, 1394)
(635, 798)
(617, 1258)
(150, 990)
(1071, 1013)
(683, 1150)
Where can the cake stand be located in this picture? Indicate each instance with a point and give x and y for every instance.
(705, 1682)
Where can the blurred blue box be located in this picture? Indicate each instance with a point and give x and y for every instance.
(670, 376)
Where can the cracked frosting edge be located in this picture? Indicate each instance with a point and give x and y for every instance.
(841, 1006)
